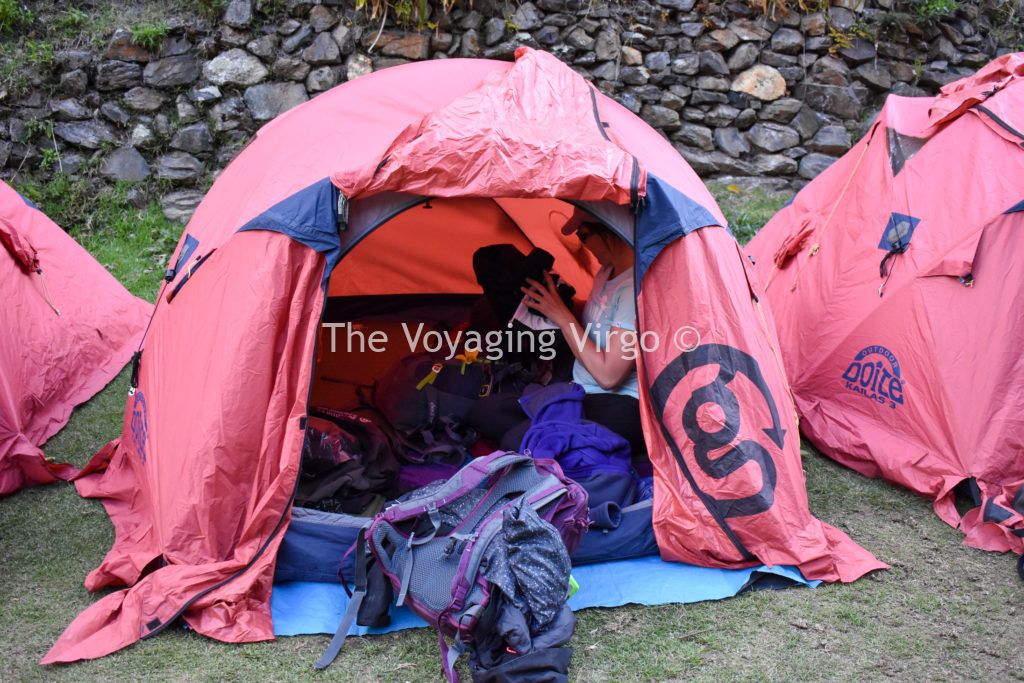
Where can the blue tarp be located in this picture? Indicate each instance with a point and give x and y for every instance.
(301, 607)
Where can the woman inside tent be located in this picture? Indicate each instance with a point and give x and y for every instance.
(602, 340)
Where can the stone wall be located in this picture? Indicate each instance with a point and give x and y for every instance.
(746, 98)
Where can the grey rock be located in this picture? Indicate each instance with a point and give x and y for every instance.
(548, 35)
(806, 123)
(323, 50)
(208, 93)
(288, 27)
(144, 99)
(579, 39)
(678, 5)
(73, 59)
(180, 204)
(69, 110)
(743, 57)
(657, 61)
(238, 13)
(470, 44)
(606, 71)
(712, 63)
(634, 75)
(813, 164)
(290, 69)
(472, 21)
(297, 39)
(5, 152)
(115, 75)
(175, 45)
(814, 24)
(607, 45)
(907, 90)
(781, 110)
(162, 124)
(707, 97)
(125, 163)
(773, 165)
(777, 59)
(937, 79)
(843, 19)
(686, 64)
(746, 119)
(629, 101)
(237, 67)
(229, 114)
(693, 135)
(233, 37)
(675, 99)
(171, 71)
(731, 141)
(842, 102)
(833, 140)
(87, 134)
(859, 52)
(818, 44)
(267, 100)
(795, 152)
(194, 139)
(494, 31)
(830, 71)
(875, 75)
(710, 163)
(760, 81)
(18, 130)
(322, 78)
(321, 18)
(721, 115)
(749, 30)
(357, 65)
(692, 29)
(74, 82)
(404, 45)
(143, 136)
(346, 36)
(187, 112)
(178, 166)
(527, 17)
(265, 46)
(787, 41)
(114, 113)
(723, 39)
(712, 83)
(660, 117)
(772, 137)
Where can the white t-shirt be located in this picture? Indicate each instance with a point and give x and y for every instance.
(611, 304)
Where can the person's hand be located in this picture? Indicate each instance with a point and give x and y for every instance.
(544, 298)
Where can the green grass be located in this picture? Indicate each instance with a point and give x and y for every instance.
(942, 612)
(747, 210)
(12, 14)
(149, 35)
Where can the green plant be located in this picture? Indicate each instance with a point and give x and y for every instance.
(39, 52)
(404, 11)
(13, 78)
(12, 14)
(212, 9)
(149, 35)
(934, 9)
(36, 127)
(51, 157)
(72, 20)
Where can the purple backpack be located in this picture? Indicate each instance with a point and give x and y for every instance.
(431, 543)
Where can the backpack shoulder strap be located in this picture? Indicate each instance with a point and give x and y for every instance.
(353, 605)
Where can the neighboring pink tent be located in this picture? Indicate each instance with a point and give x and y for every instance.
(68, 327)
(895, 278)
(361, 192)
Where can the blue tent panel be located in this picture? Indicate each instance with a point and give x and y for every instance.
(309, 216)
(668, 214)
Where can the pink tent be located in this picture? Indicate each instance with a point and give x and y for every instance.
(363, 192)
(895, 279)
(68, 328)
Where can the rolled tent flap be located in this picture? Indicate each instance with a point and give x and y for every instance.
(534, 131)
(201, 479)
(720, 424)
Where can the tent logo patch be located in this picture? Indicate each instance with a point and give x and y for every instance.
(139, 425)
(875, 374)
(720, 446)
(898, 232)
